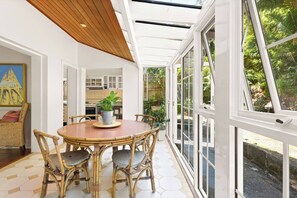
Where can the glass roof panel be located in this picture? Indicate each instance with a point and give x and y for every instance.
(183, 2)
(154, 31)
(157, 43)
(165, 14)
(155, 58)
(157, 52)
(151, 63)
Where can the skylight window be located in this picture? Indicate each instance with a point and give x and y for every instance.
(195, 4)
(184, 2)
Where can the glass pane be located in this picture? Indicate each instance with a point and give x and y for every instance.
(178, 106)
(190, 93)
(254, 71)
(283, 59)
(190, 124)
(186, 117)
(210, 36)
(262, 166)
(186, 147)
(187, 107)
(204, 136)
(293, 171)
(154, 100)
(191, 154)
(178, 128)
(278, 18)
(186, 65)
(211, 182)
(206, 82)
(211, 143)
(186, 91)
(204, 173)
(179, 76)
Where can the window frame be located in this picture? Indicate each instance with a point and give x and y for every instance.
(267, 67)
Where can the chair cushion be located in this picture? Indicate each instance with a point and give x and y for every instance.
(122, 158)
(11, 116)
(72, 158)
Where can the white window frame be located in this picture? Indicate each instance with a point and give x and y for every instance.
(256, 22)
(174, 103)
(186, 51)
(259, 122)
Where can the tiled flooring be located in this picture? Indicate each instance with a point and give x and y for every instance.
(23, 179)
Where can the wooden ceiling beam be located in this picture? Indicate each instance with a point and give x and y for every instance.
(102, 29)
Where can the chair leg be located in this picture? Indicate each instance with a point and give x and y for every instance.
(114, 182)
(68, 147)
(114, 149)
(76, 177)
(62, 192)
(87, 175)
(44, 185)
(152, 178)
(130, 182)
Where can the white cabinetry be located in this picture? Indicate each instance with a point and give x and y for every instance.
(105, 82)
(94, 82)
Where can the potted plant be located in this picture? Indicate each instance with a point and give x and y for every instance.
(160, 120)
(106, 106)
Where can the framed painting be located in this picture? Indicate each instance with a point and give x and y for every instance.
(12, 84)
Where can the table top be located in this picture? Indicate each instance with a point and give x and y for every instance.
(85, 131)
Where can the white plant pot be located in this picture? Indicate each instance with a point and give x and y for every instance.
(161, 135)
(107, 117)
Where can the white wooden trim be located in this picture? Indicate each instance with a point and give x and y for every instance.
(286, 171)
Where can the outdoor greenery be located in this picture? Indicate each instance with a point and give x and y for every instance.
(154, 105)
(206, 84)
(108, 103)
(279, 20)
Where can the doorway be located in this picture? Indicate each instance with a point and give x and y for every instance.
(70, 99)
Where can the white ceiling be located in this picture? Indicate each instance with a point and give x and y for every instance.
(156, 40)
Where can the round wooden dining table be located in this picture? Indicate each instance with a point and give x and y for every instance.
(85, 134)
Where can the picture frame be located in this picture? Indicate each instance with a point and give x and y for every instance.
(13, 84)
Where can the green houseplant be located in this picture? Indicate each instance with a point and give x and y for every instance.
(106, 106)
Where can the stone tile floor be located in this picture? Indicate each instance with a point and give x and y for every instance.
(23, 179)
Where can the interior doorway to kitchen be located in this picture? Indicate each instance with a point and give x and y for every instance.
(99, 83)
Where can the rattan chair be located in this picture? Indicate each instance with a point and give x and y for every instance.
(78, 119)
(130, 162)
(64, 167)
(13, 133)
(145, 118)
(81, 118)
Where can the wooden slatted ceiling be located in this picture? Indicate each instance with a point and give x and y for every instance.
(102, 29)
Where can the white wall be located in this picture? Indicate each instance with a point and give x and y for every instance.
(103, 72)
(91, 59)
(28, 31)
(11, 56)
(25, 28)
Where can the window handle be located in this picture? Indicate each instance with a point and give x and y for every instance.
(283, 121)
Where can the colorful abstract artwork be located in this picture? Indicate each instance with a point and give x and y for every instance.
(12, 84)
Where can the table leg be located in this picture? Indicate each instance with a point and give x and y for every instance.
(96, 177)
(97, 169)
